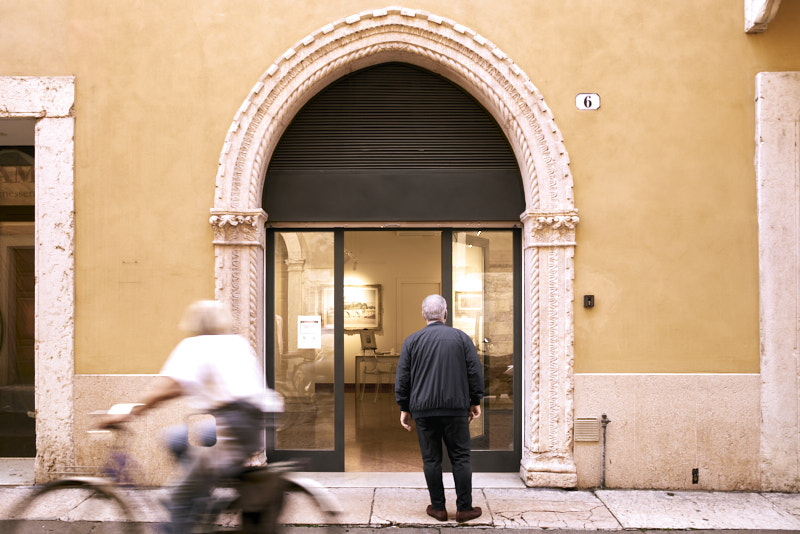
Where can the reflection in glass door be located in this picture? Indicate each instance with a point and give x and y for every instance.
(485, 306)
(303, 366)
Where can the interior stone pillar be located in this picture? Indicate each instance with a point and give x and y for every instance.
(239, 245)
(295, 267)
(547, 381)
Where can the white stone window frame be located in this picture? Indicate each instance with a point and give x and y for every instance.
(777, 165)
(50, 101)
(481, 68)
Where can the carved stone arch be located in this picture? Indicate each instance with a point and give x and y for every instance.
(485, 71)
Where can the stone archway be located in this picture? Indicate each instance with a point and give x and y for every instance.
(489, 75)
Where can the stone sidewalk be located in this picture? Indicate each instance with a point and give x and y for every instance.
(397, 501)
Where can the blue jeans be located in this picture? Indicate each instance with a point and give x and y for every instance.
(454, 432)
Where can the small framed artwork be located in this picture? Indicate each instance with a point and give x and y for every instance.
(469, 301)
(363, 308)
(368, 340)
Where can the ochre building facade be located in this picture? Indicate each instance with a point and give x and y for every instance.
(650, 276)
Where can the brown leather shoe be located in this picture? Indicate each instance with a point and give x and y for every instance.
(439, 515)
(466, 515)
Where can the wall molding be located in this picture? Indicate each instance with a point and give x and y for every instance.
(481, 68)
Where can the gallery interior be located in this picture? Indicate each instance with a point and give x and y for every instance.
(385, 276)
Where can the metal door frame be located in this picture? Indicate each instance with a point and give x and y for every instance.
(334, 460)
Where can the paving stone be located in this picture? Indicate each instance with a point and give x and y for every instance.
(401, 506)
(9, 497)
(790, 502)
(356, 506)
(57, 505)
(548, 509)
(696, 510)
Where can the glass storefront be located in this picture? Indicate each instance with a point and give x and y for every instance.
(343, 301)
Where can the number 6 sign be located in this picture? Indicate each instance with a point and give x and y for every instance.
(587, 101)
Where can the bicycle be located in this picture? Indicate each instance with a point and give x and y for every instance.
(249, 501)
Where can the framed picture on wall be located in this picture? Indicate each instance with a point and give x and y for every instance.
(469, 301)
(363, 307)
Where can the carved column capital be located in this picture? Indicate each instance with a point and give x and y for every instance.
(549, 229)
(238, 227)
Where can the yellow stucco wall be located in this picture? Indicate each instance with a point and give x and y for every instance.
(664, 176)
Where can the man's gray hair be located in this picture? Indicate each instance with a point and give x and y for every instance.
(434, 307)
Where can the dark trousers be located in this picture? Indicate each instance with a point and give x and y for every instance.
(454, 431)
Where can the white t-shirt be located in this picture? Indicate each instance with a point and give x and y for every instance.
(214, 370)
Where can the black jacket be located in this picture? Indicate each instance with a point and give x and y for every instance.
(438, 373)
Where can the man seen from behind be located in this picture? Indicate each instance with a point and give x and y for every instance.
(439, 385)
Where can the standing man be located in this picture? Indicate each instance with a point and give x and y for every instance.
(439, 383)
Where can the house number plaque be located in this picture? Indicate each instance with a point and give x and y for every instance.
(587, 101)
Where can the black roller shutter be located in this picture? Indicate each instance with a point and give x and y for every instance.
(393, 142)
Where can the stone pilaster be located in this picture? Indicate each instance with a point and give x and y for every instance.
(777, 180)
(239, 245)
(547, 381)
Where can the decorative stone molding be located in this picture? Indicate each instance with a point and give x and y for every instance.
(239, 243)
(481, 68)
(238, 228)
(758, 14)
(547, 379)
(395, 34)
(778, 179)
(555, 230)
(50, 100)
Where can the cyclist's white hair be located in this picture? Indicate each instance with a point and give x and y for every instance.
(206, 318)
(434, 307)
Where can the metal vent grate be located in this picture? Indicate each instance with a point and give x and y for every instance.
(393, 142)
(393, 116)
(587, 429)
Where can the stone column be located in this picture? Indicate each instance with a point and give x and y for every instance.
(295, 267)
(547, 380)
(239, 248)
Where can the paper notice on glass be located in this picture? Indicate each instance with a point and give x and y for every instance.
(309, 331)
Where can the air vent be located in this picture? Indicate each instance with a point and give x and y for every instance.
(587, 429)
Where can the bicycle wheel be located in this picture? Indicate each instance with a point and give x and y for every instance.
(82, 505)
(266, 493)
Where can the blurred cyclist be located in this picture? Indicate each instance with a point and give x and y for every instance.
(220, 374)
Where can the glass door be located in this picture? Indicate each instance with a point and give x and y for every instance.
(305, 367)
(486, 294)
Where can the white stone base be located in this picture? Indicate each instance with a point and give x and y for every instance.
(664, 425)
